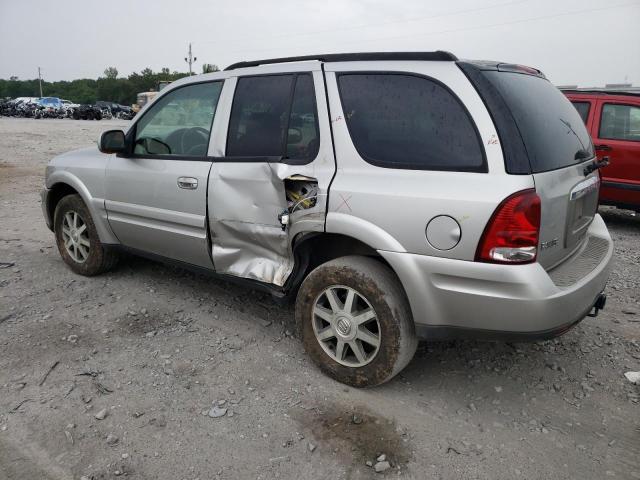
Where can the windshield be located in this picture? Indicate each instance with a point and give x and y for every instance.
(553, 133)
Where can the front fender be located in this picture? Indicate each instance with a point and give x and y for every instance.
(95, 205)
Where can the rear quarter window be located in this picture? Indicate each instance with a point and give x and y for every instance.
(408, 121)
(552, 130)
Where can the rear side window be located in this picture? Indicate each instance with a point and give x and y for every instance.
(552, 130)
(274, 116)
(583, 110)
(620, 122)
(408, 121)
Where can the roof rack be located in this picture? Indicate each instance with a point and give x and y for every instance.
(603, 92)
(438, 55)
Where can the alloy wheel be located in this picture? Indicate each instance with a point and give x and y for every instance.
(75, 236)
(346, 326)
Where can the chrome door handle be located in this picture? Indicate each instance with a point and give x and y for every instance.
(189, 183)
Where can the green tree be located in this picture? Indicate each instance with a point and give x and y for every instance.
(111, 72)
(209, 68)
(108, 87)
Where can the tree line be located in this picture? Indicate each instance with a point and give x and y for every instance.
(109, 87)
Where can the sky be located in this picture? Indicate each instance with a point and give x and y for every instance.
(574, 42)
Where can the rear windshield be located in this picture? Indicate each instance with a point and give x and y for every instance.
(552, 130)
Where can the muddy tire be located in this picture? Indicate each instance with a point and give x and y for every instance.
(355, 322)
(77, 238)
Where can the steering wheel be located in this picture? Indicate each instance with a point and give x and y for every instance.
(195, 134)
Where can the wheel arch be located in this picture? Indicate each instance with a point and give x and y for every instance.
(312, 249)
(62, 183)
(56, 193)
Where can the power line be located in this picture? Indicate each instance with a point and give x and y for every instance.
(461, 29)
(406, 20)
(524, 20)
(382, 24)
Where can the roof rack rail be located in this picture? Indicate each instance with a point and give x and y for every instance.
(600, 92)
(438, 55)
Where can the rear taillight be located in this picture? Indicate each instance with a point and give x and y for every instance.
(511, 236)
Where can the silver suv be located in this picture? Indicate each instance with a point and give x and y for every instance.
(395, 196)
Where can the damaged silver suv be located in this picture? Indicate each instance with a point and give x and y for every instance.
(395, 196)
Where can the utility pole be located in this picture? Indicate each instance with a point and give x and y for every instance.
(190, 60)
(40, 81)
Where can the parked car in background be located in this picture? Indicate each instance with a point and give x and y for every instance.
(115, 108)
(613, 120)
(51, 102)
(69, 103)
(87, 112)
(393, 196)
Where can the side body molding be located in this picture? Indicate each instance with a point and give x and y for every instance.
(95, 205)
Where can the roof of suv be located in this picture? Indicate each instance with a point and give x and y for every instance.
(438, 55)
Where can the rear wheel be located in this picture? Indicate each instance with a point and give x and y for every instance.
(355, 321)
(77, 238)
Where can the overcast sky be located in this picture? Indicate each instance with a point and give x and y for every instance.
(584, 42)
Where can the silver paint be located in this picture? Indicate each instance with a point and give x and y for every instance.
(142, 204)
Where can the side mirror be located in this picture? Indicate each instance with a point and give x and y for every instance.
(112, 141)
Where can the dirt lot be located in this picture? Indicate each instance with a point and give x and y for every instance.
(155, 346)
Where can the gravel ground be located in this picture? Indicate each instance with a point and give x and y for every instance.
(151, 349)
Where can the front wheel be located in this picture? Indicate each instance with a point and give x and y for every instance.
(77, 238)
(355, 321)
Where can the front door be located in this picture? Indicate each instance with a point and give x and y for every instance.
(156, 197)
(271, 178)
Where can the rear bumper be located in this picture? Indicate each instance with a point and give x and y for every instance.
(452, 298)
(45, 193)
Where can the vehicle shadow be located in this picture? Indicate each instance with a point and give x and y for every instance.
(457, 363)
(620, 219)
(205, 288)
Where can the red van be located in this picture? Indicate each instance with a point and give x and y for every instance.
(613, 120)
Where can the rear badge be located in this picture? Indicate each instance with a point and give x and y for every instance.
(549, 244)
(584, 187)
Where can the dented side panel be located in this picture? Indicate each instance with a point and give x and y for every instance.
(256, 209)
(248, 240)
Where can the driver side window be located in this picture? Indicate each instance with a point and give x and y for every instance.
(180, 122)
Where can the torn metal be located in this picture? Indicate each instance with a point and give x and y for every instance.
(255, 210)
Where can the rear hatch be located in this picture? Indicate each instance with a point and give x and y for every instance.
(558, 148)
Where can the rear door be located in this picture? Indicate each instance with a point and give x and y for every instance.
(420, 167)
(617, 136)
(156, 197)
(559, 148)
(276, 165)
